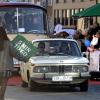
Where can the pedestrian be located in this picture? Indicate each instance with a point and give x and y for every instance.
(93, 30)
(7, 52)
(94, 50)
(95, 43)
(58, 28)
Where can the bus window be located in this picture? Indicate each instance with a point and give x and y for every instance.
(24, 18)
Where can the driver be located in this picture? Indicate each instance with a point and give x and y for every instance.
(41, 49)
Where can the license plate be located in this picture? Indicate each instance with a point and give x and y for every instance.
(61, 78)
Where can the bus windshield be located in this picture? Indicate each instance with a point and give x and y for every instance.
(23, 20)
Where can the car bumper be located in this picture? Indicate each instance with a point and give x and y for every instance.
(76, 79)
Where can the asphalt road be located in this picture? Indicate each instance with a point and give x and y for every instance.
(19, 93)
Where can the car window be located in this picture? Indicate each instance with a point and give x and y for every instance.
(57, 47)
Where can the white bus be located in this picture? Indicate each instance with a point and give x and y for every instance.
(26, 19)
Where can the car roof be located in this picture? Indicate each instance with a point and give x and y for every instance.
(20, 4)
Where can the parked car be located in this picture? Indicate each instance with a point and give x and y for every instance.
(60, 64)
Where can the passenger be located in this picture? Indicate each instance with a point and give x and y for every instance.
(65, 48)
(52, 51)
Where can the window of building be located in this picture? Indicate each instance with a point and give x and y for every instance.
(66, 18)
(66, 21)
(55, 21)
(57, 1)
(57, 13)
(58, 20)
(75, 21)
(62, 17)
(23, 0)
(50, 2)
(71, 21)
(73, 0)
(81, 0)
(65, 1)
(86, 22)
(81, 9)
(91, 20)
(29, 0)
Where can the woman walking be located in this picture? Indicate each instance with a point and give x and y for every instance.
(7, 52)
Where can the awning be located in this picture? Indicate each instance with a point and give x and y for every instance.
(89, 12)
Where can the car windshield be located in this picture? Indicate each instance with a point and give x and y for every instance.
(23, 19)
(56, 48)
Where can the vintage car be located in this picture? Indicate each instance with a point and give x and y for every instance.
(57, 62)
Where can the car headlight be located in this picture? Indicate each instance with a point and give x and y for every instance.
(80, 68)
(40, 69)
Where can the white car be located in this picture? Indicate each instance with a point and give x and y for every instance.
(59, 64)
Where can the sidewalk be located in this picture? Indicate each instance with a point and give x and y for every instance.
(14, 81)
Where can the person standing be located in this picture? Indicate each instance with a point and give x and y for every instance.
(93, 30)
(7, 52)
(58, 28)
(94, 50)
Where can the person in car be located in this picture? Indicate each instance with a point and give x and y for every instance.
(65, 48)
(41, 49)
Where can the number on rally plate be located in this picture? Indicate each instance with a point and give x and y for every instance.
(61, 78)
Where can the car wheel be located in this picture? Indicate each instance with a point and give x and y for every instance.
(84, 86)
(24, 84)
(32, 85)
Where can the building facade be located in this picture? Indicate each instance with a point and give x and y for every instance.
(64, 9)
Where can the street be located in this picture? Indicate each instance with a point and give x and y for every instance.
(19, 93)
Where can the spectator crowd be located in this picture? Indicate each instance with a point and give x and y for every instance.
(89, 39)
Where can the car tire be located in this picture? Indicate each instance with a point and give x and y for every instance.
(32, 85)
(84, 86)
(24, 84)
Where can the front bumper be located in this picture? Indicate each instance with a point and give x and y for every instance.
(46, 79)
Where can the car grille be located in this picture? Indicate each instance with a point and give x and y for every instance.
(60, 69)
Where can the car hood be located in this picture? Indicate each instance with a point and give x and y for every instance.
(58, 60)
